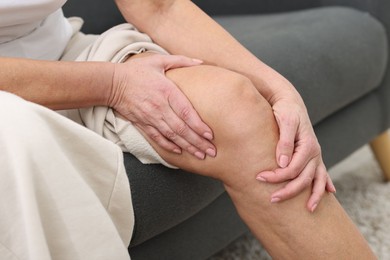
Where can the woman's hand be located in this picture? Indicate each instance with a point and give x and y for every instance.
(145, 96)
(298, 153)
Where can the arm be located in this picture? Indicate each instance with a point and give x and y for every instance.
(144, 100)
(182, 28)
(178, 24)
(57, 85)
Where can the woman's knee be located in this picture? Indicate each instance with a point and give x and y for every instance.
(223, 96)
(244, 127)
(227, 101)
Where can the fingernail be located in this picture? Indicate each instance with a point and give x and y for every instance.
(197, 60)
(283, 161)
(211, 152)
(313, 207)
(208, 136)
(199, 155)
(274, 200)
(178, 151)
(261, 178)
(332, 189)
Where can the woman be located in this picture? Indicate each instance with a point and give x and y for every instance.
(178, 105)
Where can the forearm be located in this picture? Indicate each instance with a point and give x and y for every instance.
(182, 28)
(57, 84)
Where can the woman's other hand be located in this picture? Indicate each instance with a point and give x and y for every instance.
(298, 153)
(154, 104)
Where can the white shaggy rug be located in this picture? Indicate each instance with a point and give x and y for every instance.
(362, 193)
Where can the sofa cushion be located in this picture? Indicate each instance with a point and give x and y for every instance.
(164, 197)
(332, 55)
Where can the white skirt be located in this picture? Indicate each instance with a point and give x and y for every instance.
(64, 190)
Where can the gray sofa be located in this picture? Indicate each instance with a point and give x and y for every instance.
(337, 59)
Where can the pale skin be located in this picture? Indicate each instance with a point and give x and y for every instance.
(286, 229)
(187, 124)
(177, 24)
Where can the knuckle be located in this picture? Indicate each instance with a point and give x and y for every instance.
(293, 173)
(307, 181)
(170, 134)
(324, 178)
(288, 193)
(154, 106)
(156, 137)
(313, 145)
(289, 119)
(287, 144)
(181, 129)
(184, 113)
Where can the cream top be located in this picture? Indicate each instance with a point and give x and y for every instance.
(34, 29)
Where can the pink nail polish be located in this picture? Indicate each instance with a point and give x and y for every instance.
(275, 200)
(261, 178)
(283, 161)
(199, 155)
(197, 60)
(313, 208)
(211, 152)
(208, 136)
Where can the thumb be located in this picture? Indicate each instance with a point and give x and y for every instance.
(286, 144)
(179, 61)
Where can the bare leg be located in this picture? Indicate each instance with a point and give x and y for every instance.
(245, 136)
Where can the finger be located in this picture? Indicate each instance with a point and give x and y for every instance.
(296, 166)
(296, 186)
(285, 147)
(157, 137)
(186, 112)
(318, 189)
(180, 103)
(181, 134)
(178, 61)
(190, 126)
(172, 136)
(330, 185)
(278, 175)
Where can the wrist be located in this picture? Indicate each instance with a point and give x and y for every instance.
(114, 92)
(93, 81)
(274, 87)
(103, 81)
(270, 84)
